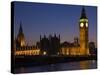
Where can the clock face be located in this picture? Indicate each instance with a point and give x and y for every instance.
(86, 24)
(82, 24)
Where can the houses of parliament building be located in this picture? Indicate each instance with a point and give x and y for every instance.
(51, 45)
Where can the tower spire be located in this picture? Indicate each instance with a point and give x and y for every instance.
(20, 29)
(20, 37)
(83, 13)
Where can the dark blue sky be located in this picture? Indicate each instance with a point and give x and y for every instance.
(48, 19)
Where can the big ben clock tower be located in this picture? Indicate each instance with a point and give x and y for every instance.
(83, 28)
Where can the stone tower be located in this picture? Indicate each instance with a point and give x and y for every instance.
(83, 29)
(20, 41)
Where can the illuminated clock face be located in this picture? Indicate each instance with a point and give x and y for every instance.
(82, 24)
(86, 24)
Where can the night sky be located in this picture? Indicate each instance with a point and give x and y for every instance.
(39, 18)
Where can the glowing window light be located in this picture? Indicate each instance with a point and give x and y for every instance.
(82, 24)
(86, 24)
(44, 53)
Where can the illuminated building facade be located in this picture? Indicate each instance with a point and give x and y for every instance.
(81, 48)
(28, 52)
(21, 48)
(52, 45)
(70, 48)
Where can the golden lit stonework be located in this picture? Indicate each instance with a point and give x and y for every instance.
(80, 48)
(83, 27)
(20, 38)
(76, 48)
